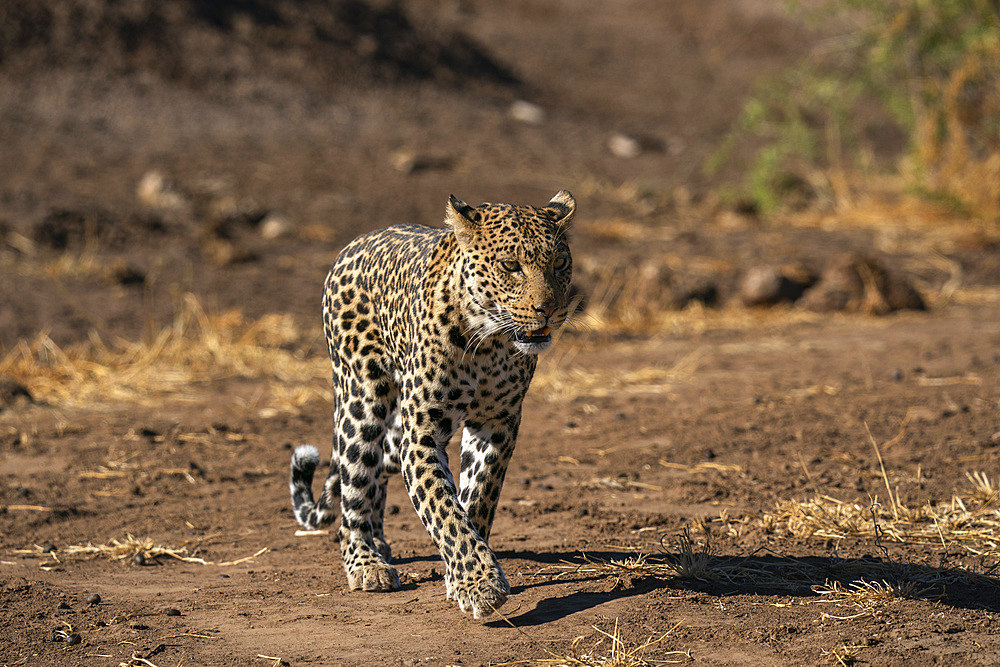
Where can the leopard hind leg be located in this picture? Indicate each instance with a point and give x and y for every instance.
(390, 467)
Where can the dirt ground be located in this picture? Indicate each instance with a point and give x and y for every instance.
(201, 164)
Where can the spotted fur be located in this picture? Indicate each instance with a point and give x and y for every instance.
(430, 330)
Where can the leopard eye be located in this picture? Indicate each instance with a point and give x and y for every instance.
(510, 265)
(561, 263)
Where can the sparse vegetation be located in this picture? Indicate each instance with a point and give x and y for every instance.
(909, 88)
(180, 361)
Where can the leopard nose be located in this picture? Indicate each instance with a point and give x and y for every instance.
(546, 309)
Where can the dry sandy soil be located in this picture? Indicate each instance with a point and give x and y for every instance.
(166, 330)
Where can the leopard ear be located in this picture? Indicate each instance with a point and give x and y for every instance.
(462, 218)
(561, 207)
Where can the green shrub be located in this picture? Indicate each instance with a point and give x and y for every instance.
(925, 70)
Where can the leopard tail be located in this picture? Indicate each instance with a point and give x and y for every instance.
(312, 514)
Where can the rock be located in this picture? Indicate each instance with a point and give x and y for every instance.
(410, 162)
(624, 146)
(527, 112)
(769, 285)
(275, 226)
(855, 283)
(155, 191)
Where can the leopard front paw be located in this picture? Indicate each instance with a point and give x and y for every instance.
(481, 590)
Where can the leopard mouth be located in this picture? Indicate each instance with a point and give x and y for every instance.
(543, 335)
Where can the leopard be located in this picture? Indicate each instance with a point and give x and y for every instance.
(432, 329)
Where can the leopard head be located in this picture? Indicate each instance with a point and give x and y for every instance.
(516, 268)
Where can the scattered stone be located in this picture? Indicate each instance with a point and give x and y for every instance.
(410, 162)
(49, 548)
(527, 112)
(897, 375)
(275, 226)
(624, 146)
(853, 283)
(582, 512)
(392, 510)
(157, 192)
(93, 599)
(770, 285)
(170, 611)
(139, 559)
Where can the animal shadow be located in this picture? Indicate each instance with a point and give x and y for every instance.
(766, 575)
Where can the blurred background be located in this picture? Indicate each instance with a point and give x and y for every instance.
(788, 241)
(722, 150)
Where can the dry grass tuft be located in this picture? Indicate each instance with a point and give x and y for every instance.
(842, 655)
(970, 520)
(195, 350)
(131, 548)
(870, 598)
(605, 653)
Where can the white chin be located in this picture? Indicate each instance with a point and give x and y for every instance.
(532, 348)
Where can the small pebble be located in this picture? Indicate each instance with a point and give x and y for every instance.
(170, 611)
(223, 576)
(49, 548)
(897, 375)
(525, 482)
(93, 598)
(582, 512)
(709, 454)
(624, 146)
(527, 112)
(392, 510)
(139, 559)
(73, 639)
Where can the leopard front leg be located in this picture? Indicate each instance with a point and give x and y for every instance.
(474, 578)
(486, 450)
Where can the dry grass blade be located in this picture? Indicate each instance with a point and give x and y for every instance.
(842, 655)
(619, 655)
(869, 598)
(130, 547)
(703, 466)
